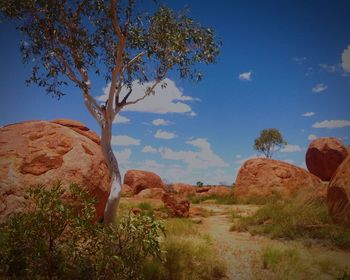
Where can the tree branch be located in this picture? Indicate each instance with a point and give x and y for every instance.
(94, 108)
(148, 91)
(133, 60)
(119, 60)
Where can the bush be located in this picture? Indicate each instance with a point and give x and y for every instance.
(146, 208)
(59, 239)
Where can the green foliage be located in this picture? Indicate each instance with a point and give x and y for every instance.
(296, 217)
(59, 239)
(146, 208)
(268, 141)
(70, 39)
(199, 184)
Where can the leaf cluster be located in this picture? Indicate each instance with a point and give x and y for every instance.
(269, 141)
(59, 239)
(65, 40)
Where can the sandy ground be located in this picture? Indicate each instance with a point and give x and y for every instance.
(242, 252)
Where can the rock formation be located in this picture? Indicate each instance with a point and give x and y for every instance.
(338, 194)
(44, 152)
(220, 191)
(151, 193)
(178, 206)
(262, 177)
(184, 189)
(139, 180)
(324, 155)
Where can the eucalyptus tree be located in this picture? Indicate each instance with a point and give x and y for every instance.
(74, 42)
(269, 141)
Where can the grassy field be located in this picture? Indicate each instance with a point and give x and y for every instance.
(298, 217)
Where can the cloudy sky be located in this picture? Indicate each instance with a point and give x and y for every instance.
(283, 64)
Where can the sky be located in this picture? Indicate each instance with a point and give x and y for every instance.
(283, 64)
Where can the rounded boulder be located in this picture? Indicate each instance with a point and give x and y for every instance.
(44, 152)
(263, 177)
(338, 194)
(324, 155)
(139, 180)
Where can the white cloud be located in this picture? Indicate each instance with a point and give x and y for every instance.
(123, 156)
(331, 124)
(346, 59)
(158, 122)
(124, 140)
(308, 114)
(328, 68)
(238, 156)
(319, 88)
(312, 137)
(243, 160)
(300, 60)
(203, 158)
(151, 165)
(121, 119)
(165, 100)
(149, 149)
(245, 76)
(162, 134)
(290, 161)
(291, 149)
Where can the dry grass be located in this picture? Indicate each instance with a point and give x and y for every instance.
(295, 218)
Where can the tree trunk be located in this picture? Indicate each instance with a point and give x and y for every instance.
(115, 194)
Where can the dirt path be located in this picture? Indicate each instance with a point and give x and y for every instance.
(239, 250)
(242, 251)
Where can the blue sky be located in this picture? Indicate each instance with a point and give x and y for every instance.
(283, 64)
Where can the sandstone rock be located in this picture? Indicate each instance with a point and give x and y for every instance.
(202, 189)
(43, 152)
(127, 190)
(338, 194)
(324, 155)
(262, 177)
(79, 128)
(151, 193)
(139, 180)
(178, 206)
(184, 189)
(220, 191)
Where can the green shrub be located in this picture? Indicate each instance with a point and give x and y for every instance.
(146, 208)
(59, 239)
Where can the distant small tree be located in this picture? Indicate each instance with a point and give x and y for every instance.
(199, 184)
(269, 141)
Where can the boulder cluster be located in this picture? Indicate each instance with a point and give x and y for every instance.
(43, 152)
(328, 164)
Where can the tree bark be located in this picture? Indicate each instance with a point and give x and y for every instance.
(115, 193)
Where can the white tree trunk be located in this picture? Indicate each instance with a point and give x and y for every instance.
(115, 194)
